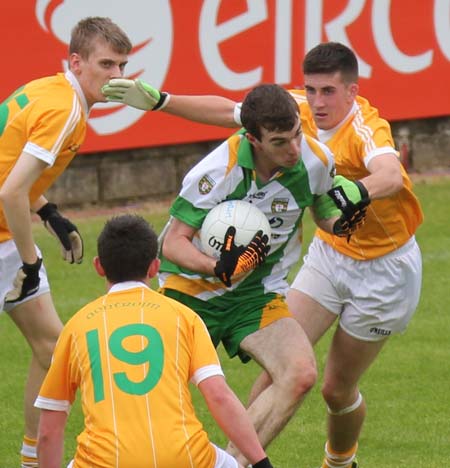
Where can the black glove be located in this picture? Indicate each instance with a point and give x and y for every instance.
(65, 231)
(26, 282)
(353, 214)
(235, 260)
(264, 463)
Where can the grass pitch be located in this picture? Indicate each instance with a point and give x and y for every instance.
(406, 389)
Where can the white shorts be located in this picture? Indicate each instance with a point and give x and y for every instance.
(374, 298)
(223, 459)
(10, 262)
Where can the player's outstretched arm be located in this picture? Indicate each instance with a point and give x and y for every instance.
(213, 110)
(233, 419)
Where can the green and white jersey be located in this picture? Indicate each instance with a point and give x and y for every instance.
(228, 173)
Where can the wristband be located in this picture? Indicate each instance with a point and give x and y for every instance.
(164, 99)
(264, 463)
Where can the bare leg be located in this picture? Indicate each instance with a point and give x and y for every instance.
(347, 361)
(39, 323)
(283, 350)
(313, 322)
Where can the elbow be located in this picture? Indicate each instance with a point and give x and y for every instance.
(398, 183)
(219, 400)
(166, 250)
(3, 195)
(8, 196)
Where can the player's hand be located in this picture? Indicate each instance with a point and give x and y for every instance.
(65, 231)
(235, 260)
(26, 282)
(135, 93)
(352, 199)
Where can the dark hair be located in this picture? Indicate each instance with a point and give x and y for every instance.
(126, 247)
(332, 57)
(93, 27)
(268, 106)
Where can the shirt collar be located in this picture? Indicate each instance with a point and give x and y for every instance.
(245, 159)
(245, 154)
(125, 285)
(325, 135)
(76, 86)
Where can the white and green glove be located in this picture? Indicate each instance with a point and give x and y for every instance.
(135, 93)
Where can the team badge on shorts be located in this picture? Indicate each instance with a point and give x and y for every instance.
(205, 184)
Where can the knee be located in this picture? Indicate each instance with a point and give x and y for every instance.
(43, 351)
(338, 397)
(300, 378)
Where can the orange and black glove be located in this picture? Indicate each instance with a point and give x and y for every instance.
(235, 260)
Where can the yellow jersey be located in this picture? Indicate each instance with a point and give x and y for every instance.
(363, 135)
(132, 354)
(47, 119)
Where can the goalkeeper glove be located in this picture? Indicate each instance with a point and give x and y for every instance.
(26, 282)
(352, 198)
(235, 260)
(264, 463)
(135, 93)
(65, 231)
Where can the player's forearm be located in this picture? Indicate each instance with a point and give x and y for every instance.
(326, 224)
(50, 451)
(183, 253)
(213, 110)
(39, 203)
(386, 177)
(16, 207)
(50, 447)
(234, 421)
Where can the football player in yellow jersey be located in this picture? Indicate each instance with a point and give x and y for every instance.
(371, 283)
(42, 125)
(132, 353)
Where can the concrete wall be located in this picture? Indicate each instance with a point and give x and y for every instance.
(116, 177)
(427, 143)
(156, 173)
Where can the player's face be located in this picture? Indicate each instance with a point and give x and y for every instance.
(96, 70)
(329, 98)
(278, 149)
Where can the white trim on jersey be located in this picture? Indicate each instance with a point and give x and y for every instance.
(39, 153)
(205, 372)
(71, 123)
(53, 405)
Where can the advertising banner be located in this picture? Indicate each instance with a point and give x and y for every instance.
(226, 47)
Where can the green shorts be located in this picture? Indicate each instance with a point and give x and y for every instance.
(231, 319)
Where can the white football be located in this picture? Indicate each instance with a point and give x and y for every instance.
(244, 216)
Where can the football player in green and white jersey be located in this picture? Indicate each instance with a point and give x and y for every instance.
(272, 165)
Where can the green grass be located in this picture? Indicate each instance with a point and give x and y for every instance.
(406, 389)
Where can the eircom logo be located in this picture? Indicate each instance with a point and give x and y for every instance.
(149, 26)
